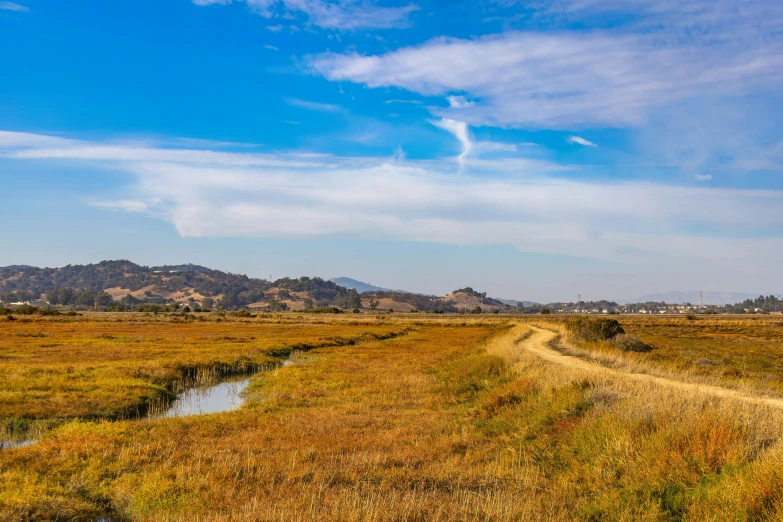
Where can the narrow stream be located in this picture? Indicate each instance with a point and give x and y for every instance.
(224, 396)
(10, 444)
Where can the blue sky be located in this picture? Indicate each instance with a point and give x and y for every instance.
(533, 149)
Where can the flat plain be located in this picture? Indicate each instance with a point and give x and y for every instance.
(389, 417)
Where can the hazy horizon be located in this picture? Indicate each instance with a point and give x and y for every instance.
(443, 290)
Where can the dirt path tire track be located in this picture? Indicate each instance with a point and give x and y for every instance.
(537, 345)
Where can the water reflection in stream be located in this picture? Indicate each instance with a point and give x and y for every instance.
(224, 396)
(9, 444)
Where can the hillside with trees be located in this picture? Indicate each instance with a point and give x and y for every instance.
(764, 304)
(126, 285)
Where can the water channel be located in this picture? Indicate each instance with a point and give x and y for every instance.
(201, 400)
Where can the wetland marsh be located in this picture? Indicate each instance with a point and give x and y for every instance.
(383, 417)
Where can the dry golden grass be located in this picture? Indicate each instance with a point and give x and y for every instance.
(448, 422)
(737, 352)
(67, 368)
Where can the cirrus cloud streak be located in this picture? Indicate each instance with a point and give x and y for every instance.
(237, 194)
(563, 80)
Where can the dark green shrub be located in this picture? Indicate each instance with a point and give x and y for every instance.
(594, 329)
(324, 310)
(630, 343)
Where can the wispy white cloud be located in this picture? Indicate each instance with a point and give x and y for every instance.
(703, 177)
(414, 102)
(480, 147)
(204, 144)
(26, 149)
(211, 2)
(126, 205)
(459, 102)
(11, 6)
(707, 20)
(12, 140)
(271, 48)
(493, 160)
(581, 79)
(311, 105)
(719, 63)
(306, 195)
(713, 134)
(460, 130)
(580, 141)
(344, 15)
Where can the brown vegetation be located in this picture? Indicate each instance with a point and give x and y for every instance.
(83, 368)
(453, 421)
(740, 352)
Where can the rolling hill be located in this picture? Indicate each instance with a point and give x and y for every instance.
(131, 284)
(362, 287)
(125, 285)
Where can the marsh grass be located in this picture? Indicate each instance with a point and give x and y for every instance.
(733, 352)
(448, 422)
(54, 369)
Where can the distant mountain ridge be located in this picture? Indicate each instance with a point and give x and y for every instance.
(188, 282)
(189, 267)
(692, 297)
(361, 286)
(129, 286)
(514, 302)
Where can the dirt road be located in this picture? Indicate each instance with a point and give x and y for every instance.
(537, 344)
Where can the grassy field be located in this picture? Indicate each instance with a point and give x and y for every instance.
(739, 352)
(115, 367)
(449, 421)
